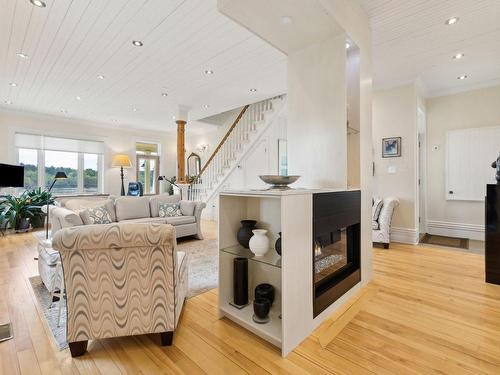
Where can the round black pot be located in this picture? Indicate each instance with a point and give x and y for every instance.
(245, 232)
(265, 291)
(23, 224)
(261, 307)
(277, 245)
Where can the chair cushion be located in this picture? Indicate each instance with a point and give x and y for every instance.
(180, 220)
(187, 208)
(155, 201)
(377, 206)
(169, 210)
(132, 208)
(159, 220)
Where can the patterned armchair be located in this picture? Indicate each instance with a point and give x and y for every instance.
(121, 279)
(381, 233)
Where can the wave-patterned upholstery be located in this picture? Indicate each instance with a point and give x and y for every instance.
(121, 279)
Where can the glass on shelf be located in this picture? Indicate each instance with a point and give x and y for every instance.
(271, 258)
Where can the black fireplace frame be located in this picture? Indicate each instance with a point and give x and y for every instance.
(337, 210)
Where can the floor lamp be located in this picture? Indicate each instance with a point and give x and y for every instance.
(122, 161)
(58, 176)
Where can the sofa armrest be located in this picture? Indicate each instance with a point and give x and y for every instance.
(199, 206)
(386, 213)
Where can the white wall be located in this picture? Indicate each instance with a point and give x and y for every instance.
(395, 115)
(116, 140)
(473, 109)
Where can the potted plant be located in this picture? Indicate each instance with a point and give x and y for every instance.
(39, 198)
(16, 211)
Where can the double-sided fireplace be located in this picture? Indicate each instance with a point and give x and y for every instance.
(336, 246)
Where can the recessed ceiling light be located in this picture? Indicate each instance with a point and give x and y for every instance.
(205, 106)
(22, 55)
(78, 97)
(462, 77)
(137, 43)
(8, 102)
(452, 21)
(209, 72)
(100, 76)
(458, 56)
(13, 84)
(164, 94)
(286, 20)
(347, 45)
(253, 90)
(173, 117)
(134, 109)
(38, 3)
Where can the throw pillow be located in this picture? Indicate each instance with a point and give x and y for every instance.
(187, 208)
(96, 215)
(376, 208)
(169, 210)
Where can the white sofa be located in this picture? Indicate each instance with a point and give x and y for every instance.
(381, 228)
(122, 210)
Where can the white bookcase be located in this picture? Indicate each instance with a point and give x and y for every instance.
(288, 212)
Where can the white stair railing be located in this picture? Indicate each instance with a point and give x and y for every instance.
(225, 156)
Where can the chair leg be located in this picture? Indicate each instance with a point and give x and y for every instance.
(78, 348)
(386, 245)
(166, 338)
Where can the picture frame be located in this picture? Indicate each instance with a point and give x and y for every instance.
(391, 147)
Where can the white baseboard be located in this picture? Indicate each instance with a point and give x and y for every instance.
(404, 235)
(450, 229)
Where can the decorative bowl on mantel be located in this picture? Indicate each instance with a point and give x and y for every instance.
(279, 182)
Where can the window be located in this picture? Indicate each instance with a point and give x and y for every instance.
(29, 158)
(148, 166)
(43, 157)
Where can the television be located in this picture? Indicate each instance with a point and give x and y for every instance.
(11, 175)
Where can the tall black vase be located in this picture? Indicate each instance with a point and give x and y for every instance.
(240, 281)
(245, 232)
(277, 245)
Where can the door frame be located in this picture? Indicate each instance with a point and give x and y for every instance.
(156, 158)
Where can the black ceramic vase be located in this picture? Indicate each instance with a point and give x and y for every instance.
(277, 245)
(261, 307)
(245, 232)
(265, 291)
(240, 281)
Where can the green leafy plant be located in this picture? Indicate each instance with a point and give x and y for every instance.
(39, 198)
(14, 209)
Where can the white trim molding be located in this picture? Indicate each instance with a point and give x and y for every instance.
(462, 230)
(404, 235)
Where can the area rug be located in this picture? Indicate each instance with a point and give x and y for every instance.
(203, 263)
(431, 239)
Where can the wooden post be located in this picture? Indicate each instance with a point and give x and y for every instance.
(181, 170)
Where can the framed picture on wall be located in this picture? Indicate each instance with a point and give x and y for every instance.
(391, 147)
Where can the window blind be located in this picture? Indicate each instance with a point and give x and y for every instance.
(42, 142)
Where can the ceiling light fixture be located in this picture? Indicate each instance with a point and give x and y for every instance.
(38, 3)
(462, 77)
(347, 45)
(78, 97)
(13, 84)
(253, 90)
(134, 109)
(209, 72)
(173, 117)
(164, 94)
(458, 56)
(137, 43)
(100, 76)
(8, 102)
(22, 55)
(452, 21)
(286, 20)
(206, 106)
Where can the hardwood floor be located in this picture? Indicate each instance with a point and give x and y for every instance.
(427, 311)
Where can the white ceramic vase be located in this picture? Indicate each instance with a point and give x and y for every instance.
(259, 243)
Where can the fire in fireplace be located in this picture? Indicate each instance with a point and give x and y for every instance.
(336, 247)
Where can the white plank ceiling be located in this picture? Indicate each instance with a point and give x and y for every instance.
(411, 42)
(70, 43)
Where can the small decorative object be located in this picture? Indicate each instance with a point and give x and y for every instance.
(277, 245)
(496, 164)
(245, 232)
(240, 282)
(259, 243)
(279, 182)
(261, 307)
(265, 291)
(391, 147)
